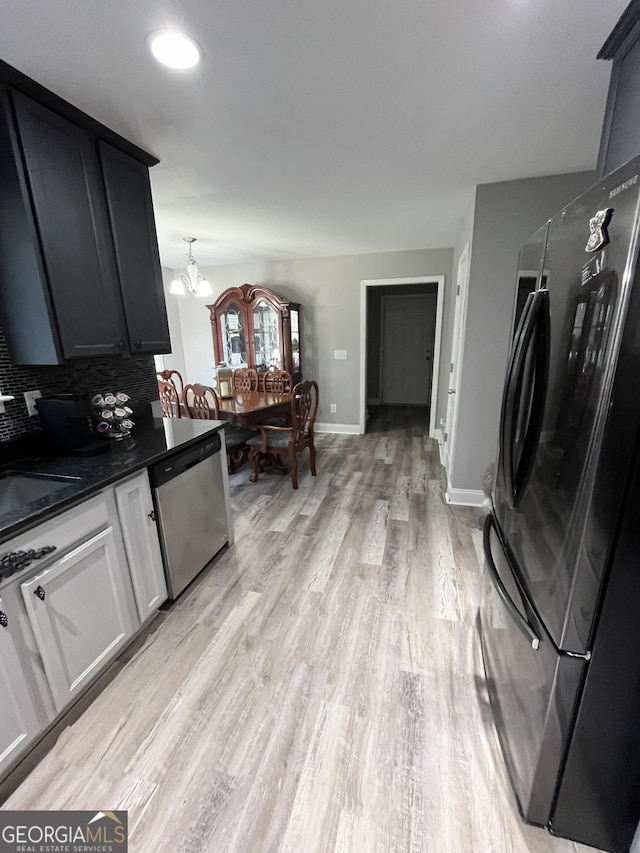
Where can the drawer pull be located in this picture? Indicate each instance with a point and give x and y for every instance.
(14, 561)
(3, 620)
(39, 591)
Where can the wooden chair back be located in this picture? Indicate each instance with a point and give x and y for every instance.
(169, 399)
(245, 379)
(201, 401)
(304, 408)
(277, 381)
(175, 377)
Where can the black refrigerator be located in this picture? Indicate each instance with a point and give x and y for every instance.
(559, 620)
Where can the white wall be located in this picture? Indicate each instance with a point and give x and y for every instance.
(175, 360)
(329, 291)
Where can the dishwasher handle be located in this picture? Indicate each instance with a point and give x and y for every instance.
(177, 464)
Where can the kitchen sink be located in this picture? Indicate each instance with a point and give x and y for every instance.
(18, 489)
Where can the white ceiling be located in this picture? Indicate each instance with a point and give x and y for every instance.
(327, 127)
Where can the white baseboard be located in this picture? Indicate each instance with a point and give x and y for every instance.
(341, 429)
(465, 497)
(437, 434)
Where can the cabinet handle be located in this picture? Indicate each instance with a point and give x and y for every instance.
(137, 344)
(152, 515)
(14, 561)
(3, 620)
(39, 591)
(120, 344)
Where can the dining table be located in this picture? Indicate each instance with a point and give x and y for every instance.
(250, 408)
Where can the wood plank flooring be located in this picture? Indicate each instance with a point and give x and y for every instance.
(319, 688)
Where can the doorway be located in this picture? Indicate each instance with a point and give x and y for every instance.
(371, 333)
(459, 322)
(408, 327)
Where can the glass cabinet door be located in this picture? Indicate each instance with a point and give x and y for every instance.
(266, 337)
(295, 339)
(234, 336)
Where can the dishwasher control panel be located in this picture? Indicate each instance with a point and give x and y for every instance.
(174, 465)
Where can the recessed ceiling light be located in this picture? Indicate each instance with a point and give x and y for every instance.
(174, 49)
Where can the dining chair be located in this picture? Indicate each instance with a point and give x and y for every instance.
(277, 381)
(170, 400)
(173, 376)
(201, 403)
(289, 441)
(245, 379)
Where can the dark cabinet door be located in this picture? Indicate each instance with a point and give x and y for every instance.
(63, 174)
(134, 235)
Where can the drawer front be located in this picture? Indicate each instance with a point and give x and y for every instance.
(61, 532)
(81, 613)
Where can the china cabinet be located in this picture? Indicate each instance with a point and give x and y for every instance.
(254, 327)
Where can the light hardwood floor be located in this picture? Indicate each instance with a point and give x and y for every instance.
(319, 688)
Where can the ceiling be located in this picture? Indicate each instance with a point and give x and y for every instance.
(327, 127)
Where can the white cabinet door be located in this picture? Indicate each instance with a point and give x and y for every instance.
(19, 722)
(81, 613)
(135, 508)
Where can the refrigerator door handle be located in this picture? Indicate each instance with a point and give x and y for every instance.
(507, 421)
(540, 310)
(514, 480)
(500, 588)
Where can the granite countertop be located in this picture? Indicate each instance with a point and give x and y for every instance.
(153, 439)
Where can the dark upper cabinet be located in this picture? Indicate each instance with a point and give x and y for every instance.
(620, 139)
(63, 175)
(136, 246)
(79, 267)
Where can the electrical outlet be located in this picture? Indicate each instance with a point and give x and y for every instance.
(340, 354)
(30, 398)
(334, 408)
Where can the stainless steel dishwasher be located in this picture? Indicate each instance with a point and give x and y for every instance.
(190, 504)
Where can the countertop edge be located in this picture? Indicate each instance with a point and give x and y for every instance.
(46, 513)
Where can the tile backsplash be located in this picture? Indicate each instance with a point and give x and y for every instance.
(135, 376)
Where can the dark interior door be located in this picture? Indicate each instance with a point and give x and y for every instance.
(134, 234)
(63, 172)
(545, 530)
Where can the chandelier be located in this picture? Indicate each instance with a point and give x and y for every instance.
(194, 281)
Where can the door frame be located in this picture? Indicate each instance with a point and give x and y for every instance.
(439, 281)
(382, 317)
(448, 453)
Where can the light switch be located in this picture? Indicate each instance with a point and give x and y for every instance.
(340, 354)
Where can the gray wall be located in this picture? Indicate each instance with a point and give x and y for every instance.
(505, 215)
(329, 291)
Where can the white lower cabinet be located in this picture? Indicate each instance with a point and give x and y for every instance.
(81, 613)
(137, 520)
(20, 723)
(68, 617)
